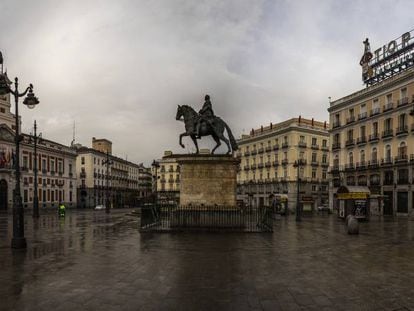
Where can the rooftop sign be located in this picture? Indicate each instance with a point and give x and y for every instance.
(391, 58)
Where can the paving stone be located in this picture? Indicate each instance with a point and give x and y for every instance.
(94, 261)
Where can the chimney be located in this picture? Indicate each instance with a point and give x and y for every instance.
(313, 123)
(261, 129)
(271, 125)
(324, 125)
(300, 117)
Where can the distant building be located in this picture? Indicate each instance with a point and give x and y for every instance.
(267, 167)
(166, 173)
(128, 183)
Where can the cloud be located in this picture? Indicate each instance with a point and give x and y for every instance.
(120, 68)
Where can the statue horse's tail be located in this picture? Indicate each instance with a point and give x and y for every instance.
(233, 142)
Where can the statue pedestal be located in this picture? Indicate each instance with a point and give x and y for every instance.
(208, 180)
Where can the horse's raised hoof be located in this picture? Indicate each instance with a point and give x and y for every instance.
(182, 146)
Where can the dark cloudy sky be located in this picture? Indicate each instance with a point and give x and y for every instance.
(120, 68)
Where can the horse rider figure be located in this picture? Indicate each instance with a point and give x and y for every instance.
(206, 114)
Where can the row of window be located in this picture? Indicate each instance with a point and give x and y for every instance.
(375, 107)
(267, 175)
(314, 158)
(48, 195)
(401, 176)
(45, 164)
(401, 154)
(388, 131)
(302, 141)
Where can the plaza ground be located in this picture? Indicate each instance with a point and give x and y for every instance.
(93, 261)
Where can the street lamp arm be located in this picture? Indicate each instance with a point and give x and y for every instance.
(24, 93)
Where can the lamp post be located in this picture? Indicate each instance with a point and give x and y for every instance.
(155, 165)
(36, 139)
(107, 162)
(18, 240)
(298, 164)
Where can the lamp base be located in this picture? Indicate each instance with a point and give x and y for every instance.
(18, 243)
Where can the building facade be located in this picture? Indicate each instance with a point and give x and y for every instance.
(166, 177)
(56, 167)
(372, 129)
(125, 183)
(373, 143)
(268, 156)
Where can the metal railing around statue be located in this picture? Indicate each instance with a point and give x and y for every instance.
(172, 217)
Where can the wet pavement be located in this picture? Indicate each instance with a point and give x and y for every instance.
(93, 261)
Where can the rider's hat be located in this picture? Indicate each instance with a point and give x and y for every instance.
(207, 97)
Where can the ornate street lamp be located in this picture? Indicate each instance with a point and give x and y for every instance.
(298, 164)
(18, 240)
(107, 162)
(35, 139)
(155, 165)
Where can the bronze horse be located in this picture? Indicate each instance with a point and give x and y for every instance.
(215, 129)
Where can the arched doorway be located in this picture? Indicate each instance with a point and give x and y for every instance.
(3, 195)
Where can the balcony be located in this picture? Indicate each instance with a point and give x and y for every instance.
(260, 150)
(374, 111)
(350, 119)
(302, 144)
(373, 137)
(325, 148)
(386, 161)
(403, 180)
(276, 147)
(388, 107)
(373, 163)
(276, 163)
(362, 115)
(254, 152)
(336, 146)
(387, 133)
(70, 174)
(361, 140)
(253, 166)
(349, 167)
(314, 163)
(401, 130)
(324, 164)
(388, 181)
(334, 169)
(361, 165)
(350, 142)
(52, 173)
(362, 182)
(268, 149)
(285, 145)
(402, 102)
(268, 164)
(246, 167)
(401, 158)
(260, 166)
(285, 161)
(336, 124)
(163, 180)
(315, 147)
(171, 180)
(82, 175)
(247, 153)
(60, 173)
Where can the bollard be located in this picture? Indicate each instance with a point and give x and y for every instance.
(352, 225)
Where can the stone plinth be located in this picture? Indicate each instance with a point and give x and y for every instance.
(208, 180)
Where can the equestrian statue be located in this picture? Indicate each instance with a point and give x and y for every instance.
(205, 123)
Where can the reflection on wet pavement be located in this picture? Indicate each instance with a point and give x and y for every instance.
(89, 261)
